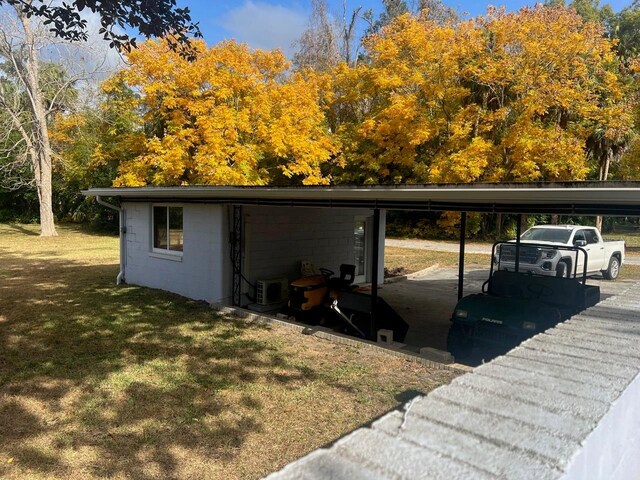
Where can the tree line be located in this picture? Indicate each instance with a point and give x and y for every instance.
(548, 93)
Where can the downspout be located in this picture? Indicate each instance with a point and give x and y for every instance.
(375, 259)
(463, 236)
(122, 232)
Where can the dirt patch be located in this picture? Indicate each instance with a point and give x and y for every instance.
(395, 272)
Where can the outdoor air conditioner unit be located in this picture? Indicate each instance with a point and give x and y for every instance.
(271, 291)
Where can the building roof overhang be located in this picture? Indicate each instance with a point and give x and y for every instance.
(577, 198)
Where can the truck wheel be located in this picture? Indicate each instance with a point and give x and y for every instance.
(613, 271)
(561, 269)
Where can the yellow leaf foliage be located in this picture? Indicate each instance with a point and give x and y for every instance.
(505, 97)
(230, 116)
(89, 144)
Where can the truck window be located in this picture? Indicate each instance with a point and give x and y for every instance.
(559, 235)
(591, 236)
(580, 235)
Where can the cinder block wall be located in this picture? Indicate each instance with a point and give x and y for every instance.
(563, 405)
(278, 238)
(203, 272)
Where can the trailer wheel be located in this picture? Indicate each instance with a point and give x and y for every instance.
(561, 269)
(613, 271)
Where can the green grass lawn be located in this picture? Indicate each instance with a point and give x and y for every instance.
(632, 240)
(99, 381)
(409, 260)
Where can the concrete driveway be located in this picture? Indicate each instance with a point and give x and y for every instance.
(427, 299)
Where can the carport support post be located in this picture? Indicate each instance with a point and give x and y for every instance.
(236, 255)
(463, 232)
(518, 232)
(375, 257)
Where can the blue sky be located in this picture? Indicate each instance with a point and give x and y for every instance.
(271, 24)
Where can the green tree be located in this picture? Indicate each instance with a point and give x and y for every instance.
(152, 19)
(626, 28)
(592, 11)
(91, 143)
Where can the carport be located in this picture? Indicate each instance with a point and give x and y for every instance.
(562, 198)
(574, 198)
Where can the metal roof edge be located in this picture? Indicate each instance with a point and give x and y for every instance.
(586, 198)
(609, 184)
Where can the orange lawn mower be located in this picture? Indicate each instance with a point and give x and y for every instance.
(334, 302)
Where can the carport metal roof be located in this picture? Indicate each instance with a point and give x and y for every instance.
(576, 198)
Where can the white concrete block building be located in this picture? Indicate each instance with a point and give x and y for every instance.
(196, 264)
(215, 243)
(186, 248)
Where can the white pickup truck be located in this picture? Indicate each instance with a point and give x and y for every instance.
(602, 257)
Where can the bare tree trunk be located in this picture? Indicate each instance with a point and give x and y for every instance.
(523, 222)
(41, 158)
(607, 165)
(45, 196)
(348, 31)
(28, 96)
(599, 222)
(603, 174)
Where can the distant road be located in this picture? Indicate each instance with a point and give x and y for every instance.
(470, 247)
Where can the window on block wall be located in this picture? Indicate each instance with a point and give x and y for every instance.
(167, 229)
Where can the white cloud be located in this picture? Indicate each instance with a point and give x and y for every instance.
(89, 62)
(265, 25)
(92, 55)
(85, 63)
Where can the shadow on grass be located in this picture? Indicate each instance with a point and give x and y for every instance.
(408, 395)
(131, 374)
(19, 228)
(33, 230)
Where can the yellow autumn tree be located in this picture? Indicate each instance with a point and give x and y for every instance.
(629, 166)
(228, 116)
(397, 106)
(505, 97)
(559, 84)
(90, 143)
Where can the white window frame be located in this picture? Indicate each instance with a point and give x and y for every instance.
(165, 252)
